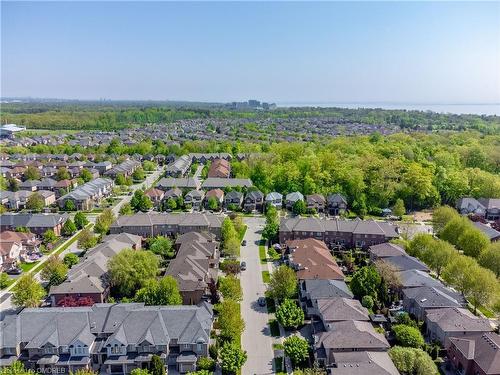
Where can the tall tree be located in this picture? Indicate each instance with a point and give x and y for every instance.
(27, 292)
(283, 283)
(163, 292)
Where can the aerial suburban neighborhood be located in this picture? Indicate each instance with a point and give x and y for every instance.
(116, 258)
(249, 188)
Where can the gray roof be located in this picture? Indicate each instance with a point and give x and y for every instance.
(338, 309)
(415, 278)
(490, 232)
(131, 323)
(32, 220)
(336, 199)
(363, 363)
(274, 196)
(386, 249)
(313, 224)
(156, 218)
(317, 288)
(182, 183)
(432, 297)
(351, 334)
(88, 276)
(406, 262)
(294, 197)
(89, 190)
(215, 182)
(458, 320)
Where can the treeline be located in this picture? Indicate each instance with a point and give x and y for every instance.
(116, 115)
(374, 172)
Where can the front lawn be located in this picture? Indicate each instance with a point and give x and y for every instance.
(242, 232)
(26, 267)
(266, 277)
(262, 252)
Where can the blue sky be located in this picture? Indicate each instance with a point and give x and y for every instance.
(446, 52)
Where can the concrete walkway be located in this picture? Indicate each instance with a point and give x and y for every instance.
(256, 339)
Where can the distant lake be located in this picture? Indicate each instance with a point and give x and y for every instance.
(477, 109)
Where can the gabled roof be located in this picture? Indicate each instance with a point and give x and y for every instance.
(458, 320)
(339, 309)
(432, 297)
(363, 363)
(483, 349)
(386, 249)
(351, 334)
(318, 289)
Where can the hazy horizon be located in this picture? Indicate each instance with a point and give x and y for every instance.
(276, 52)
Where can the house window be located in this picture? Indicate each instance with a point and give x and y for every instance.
(116, 349)
(186, 346)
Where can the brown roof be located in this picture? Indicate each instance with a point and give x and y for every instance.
(216, 193)
(63, 183)
(313, 260)
(483, 349)
(154, 193)
(219, 168)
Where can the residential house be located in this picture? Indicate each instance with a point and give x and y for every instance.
(216, 194)
(204, 157)
(174, 193)
(314, 289)
(420, 300)
(187, 183)
(254, 201)
(274, 199)
(337, 204)
(417, 278)
(88, 195)
(107, 338)
(30, 244)
(337, 233)
(36, 223)
(102, 167)
(492, 234)
(47, 184)
(223, 183)
(152, 224)
(156, 196)
(15, 200)
(292, 198)
(315, 202)
(195, 266)
(360, 363)
(127, 168)
(194, 198)
(347, 336)
(89, 278)
(338, 309)
(219, 168)
(233, 198)
(10, 252)
(29, 185)
(179, 167)
(311, 259)
(489, 208)
(442, 324)
(479, 355)
(384, 250)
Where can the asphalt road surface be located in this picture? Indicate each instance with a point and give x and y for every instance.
(256, 339)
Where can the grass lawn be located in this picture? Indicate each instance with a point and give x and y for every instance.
(242, 232)
(28, 266)
(274, 327)
(266, 277)
(486, 312)
(8, 283)
(262, 252)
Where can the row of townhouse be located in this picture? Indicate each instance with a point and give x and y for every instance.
(85, 197)
(89, 278)
(445, 313)
(337, 232)
(107, 338)
(253, 200)
(179, 167)
(36, 223)
(16, 200)
(195, 266)
(333, 204)
(154, 224)
(50, 169)
(344, 338)
(126, 168)
(59, 187)
(16, 247)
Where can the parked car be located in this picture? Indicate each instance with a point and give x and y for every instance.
(14, 271)
(262, 301)
(243, 266)
(244, 243)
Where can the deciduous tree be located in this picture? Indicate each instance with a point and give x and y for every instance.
(283, 283)
(27, 292)
(289, 314)
(297, 349)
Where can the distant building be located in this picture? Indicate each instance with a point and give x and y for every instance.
(8, 130)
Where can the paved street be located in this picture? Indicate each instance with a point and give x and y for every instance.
(256, 340)
(5, 296)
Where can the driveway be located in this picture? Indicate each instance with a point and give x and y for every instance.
(256, 339)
